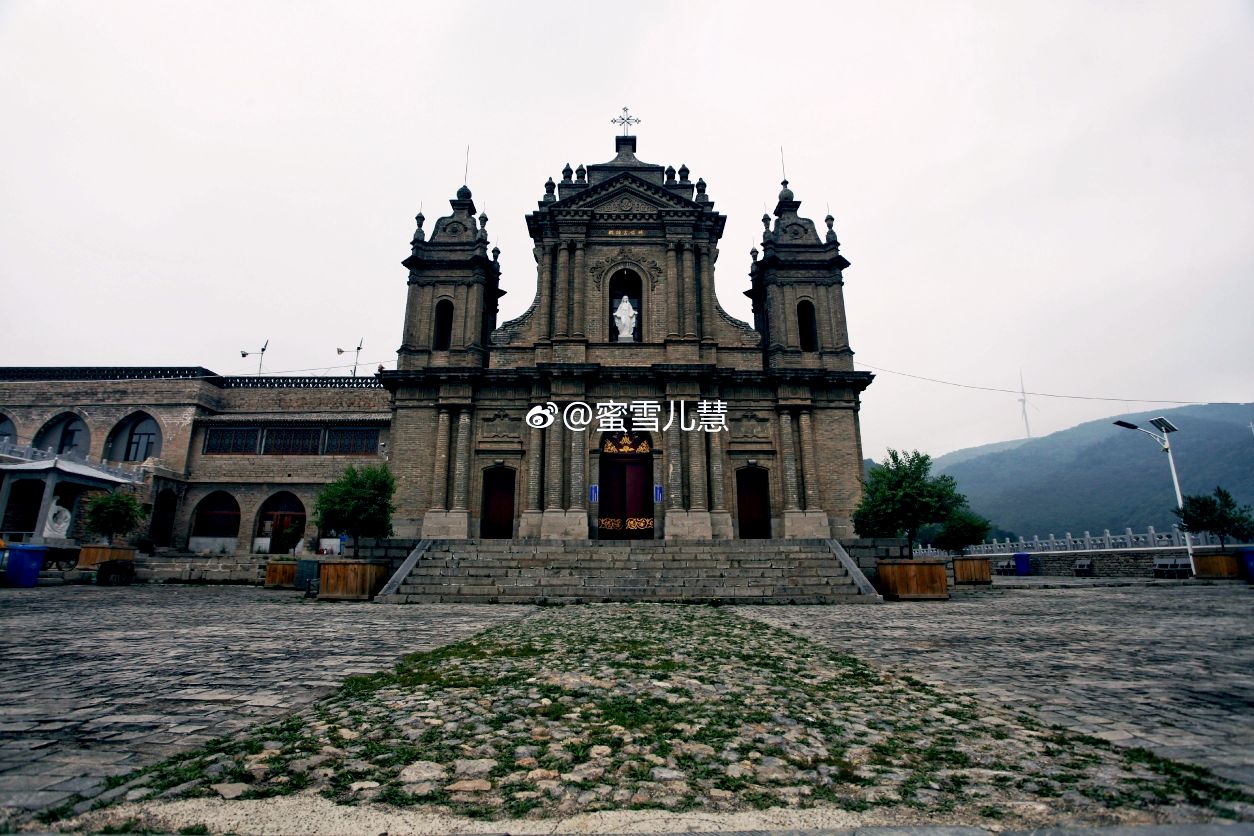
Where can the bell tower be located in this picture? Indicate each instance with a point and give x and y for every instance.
(798, 292)
(454, 288)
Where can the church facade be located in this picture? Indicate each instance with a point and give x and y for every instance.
(624, 403)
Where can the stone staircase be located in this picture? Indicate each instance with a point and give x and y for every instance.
(588, 571)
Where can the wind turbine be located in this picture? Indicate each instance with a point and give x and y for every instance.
(1023, 402)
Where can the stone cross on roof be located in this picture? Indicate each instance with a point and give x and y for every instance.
(626, 120)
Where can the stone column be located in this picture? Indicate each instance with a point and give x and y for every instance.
(809, 470)
(689, 302)
(553, 467)
(461, 468)
(545, 283)
(561, 291)
(439, 476)
(788, 451)
(673, 325)
(45, 507)
(579, 327)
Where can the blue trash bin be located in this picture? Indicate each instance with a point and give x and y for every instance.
(1023, 564)
(23, 563)
(1245, 559)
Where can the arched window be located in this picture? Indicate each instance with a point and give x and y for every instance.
(217, 515)
(135, 438)
(8, 432)
(64, 434)
(626, 284)
(807, 328)
(443, 337)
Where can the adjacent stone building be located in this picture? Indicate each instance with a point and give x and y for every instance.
(703, 426)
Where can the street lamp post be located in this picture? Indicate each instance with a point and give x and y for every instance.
(261, 352)
(1166, 427)
(356, 355)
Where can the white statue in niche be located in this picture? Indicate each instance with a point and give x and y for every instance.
(625, 319)
(57, 526)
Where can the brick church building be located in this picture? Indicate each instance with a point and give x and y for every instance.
(625, 403)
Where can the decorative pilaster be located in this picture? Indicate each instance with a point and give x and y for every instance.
(708, 302)
(553, 467)
(545, 284)
(561, 296)
(578, 457)
(673, 326)
(461, 468)
(674, 470)
(439, 476)
(579, 327)
(689, 286)
(696, 471)
(720, 517)
(788, 448)
(809, 471)
(535, 444)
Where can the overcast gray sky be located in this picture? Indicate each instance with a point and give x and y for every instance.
(1064, 188)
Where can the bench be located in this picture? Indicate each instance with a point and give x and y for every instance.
(1172, 567)
(1083, 567)
(1005, 567)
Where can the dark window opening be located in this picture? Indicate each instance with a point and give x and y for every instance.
(352, 441)
(238, 441)
(443, 326)
(807, 327)
(292, 441)
(217, 515)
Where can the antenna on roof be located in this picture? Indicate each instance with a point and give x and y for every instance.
(466, 170)
(782, 171)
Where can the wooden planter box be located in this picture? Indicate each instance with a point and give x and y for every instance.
(973, 570)
(352, 580)
(281, 574)
(1217, 566)
(912, 580)
(89, 557)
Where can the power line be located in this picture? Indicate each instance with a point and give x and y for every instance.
(1020, 392)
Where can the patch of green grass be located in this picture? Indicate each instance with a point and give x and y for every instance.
(194, 830)
(990, 812)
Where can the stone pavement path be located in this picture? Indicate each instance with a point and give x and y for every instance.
(1170, 669)
(95, 682)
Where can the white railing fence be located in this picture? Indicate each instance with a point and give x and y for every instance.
(1148, 539)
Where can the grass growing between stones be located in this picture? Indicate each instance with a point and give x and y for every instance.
(680, 708)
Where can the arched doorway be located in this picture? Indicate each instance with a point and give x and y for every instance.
(282, 519)
(497, 520)
(217, 515)
(625, 486)
(753, 503)
(161, 531)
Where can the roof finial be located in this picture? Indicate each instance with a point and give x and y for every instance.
(626, 120)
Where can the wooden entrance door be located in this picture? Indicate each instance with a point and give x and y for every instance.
(625, 510)
(753, 503)
(497, 520)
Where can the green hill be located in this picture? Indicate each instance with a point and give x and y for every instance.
(1096, 476)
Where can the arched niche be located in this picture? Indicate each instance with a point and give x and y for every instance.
(216, 516)
(442, 336)
(281, 523)
(133, 439)
(66, 434)
(626, 283)
(807, 326)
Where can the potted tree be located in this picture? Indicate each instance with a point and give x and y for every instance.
(359, 504)
(960, 529)
(111, 516)
(1219, 514)
(900, 497)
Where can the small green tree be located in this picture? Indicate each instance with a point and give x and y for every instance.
(960, 529)
(900, 496)
(1218, 514)
(359, 503)
(112, 514)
